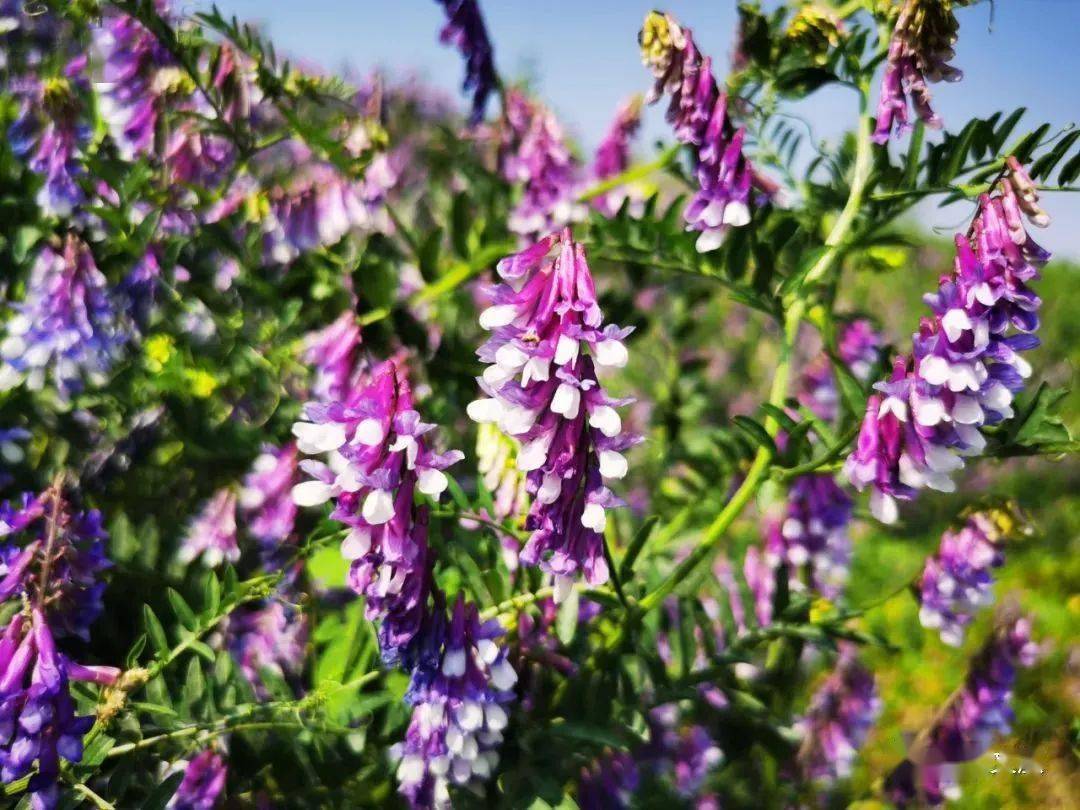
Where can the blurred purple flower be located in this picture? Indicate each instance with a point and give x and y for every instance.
(266, 496)
(465, 30)
(203, 783)
(212, 534)
(608, 783)
(613, 157)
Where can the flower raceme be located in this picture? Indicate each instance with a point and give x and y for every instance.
(466, 31)
(212, 534)
(52, 558)
(203, 782)
(541, 388)
(919, 52)
(698, 111)
(266, 496)
(458, 714)
(965, 368)
(613, 157)
(379, 459)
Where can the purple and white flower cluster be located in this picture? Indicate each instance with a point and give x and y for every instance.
(67, 326)
(212, 534)
(956, 581)
(459, 712)
(613, 157)
(465, 30)
(965, 368)
(203, 782)
(813, 536)
(52, 560)
(977, 713)
(534, 153)
(542, 389)
(919, 52)
(699, 113)
(688, 754)
(268, 637)
(51, 134)
(608, 782)
(838, 720)
(266, 496)
(857, 348)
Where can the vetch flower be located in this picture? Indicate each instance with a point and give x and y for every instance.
(608, 783)
(459, 712)
(919, 52)
(838, 720)
(966, 366)
(465, 30)
(212, 534)
(813, 536)
(613, 157)
(535, 155)
(541, 385)
(66, 327)
(50, 133)
(688, 753)
(334, 351)
(270, 636)
(379, 460)
(965, 729)
(203, 782)
(266, 496)
(956, 581)
(857, 348)
(699, 114)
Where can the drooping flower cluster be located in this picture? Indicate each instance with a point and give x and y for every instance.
(813, 535)
(465, 30)
(334, 352)
(266, 496)
(816, 28)
(956, 581)
(838, 720)
(380, 459)
(137, 76)
(613, 157)
(974, 716)
(203, 782)
(458, 712)
(688, 754)
(212, 534)
(535, 155)
(268, 637)
(966, 367)
(919, 52)
(542, 389)
(857, 348)
(608, 783)
(55, 568)
(66, 328)
(50, 134)
(699, 113)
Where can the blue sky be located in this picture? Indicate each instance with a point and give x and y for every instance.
(583, 57)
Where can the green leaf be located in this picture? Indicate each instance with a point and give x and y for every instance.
(182, 610)
(911, 166)
(155, 631)
(135, 651)
(211, 594)
(1002, 133)
(194, 684)
(804, 80)
(429, 255)
(637, 544)
(958, 151)
(1044, 166)
(566, 622)
(1026, 145)
(757, 434)
(1038, 424)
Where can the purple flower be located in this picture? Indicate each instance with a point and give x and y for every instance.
(137, 74)
(613, 157)
(266, 496)
(379, 459)
(977, 713)
(956, 581)
(52, 561)
(536, 156)
(459, 712)
(542, 390)
(699, 113)
(608, 783)
(66, 326)
(688, 754)
(334, 351)
(268, 637)
(857, 348)
(51, 134)
(838, 720)
(141, 285)
(203, 783)
(919, 52)
(966, 367)
(212, 534)
(465, 30)
(813, 536)
(761, 580)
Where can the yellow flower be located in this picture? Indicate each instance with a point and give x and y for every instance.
(821, 609)
(202, 383)
(159, 350)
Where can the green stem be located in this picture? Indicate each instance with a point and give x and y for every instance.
(631, 175)
(759, 469)
(98, 802)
